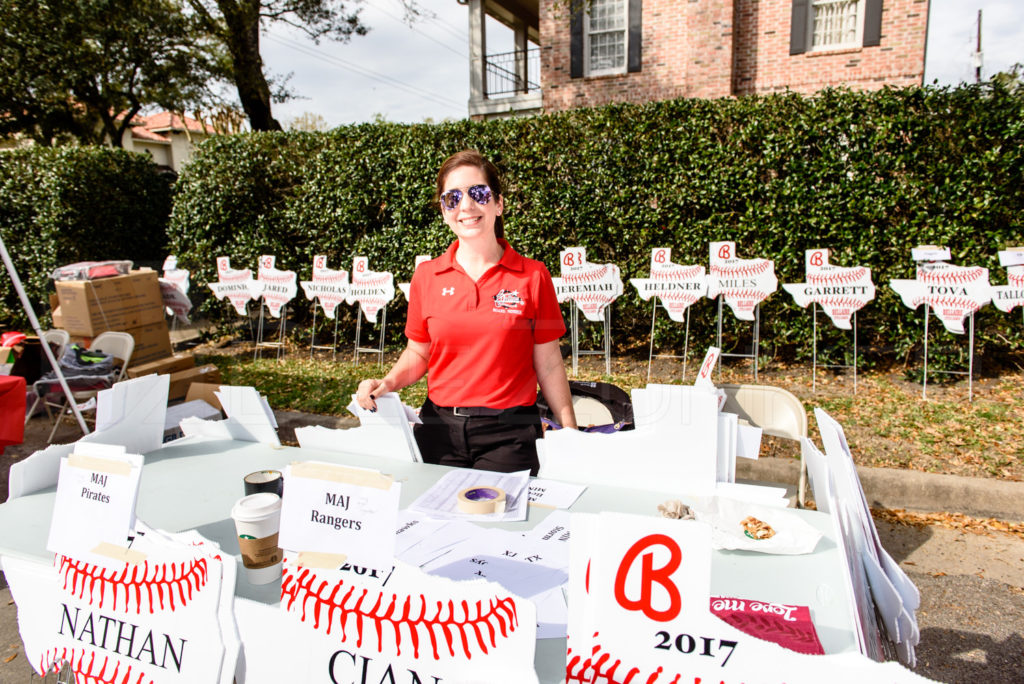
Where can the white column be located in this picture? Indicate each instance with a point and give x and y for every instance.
(522, 70)
(477, 52)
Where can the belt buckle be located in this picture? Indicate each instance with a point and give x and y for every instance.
(455, 412)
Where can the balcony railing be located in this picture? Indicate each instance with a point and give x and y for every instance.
(512, 73)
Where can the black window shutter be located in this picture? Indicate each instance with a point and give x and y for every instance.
(872, 23)
(801, 14)
(635, 56)
(576, 39)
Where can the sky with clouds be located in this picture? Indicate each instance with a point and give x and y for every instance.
(421, 72)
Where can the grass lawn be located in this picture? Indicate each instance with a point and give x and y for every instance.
(887, 422)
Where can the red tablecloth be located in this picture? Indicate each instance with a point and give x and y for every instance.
(12, 410)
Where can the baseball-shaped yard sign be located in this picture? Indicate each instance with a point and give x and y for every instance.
(743, 283)
(592, 286)
(839, 290)
(676, 286)
(1008, 296)
(237, 285)
(328, 285)
(279, 287)
(952, 292)
(372, 289)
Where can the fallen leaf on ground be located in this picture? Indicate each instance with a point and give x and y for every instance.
(10, 657)
(952, 521)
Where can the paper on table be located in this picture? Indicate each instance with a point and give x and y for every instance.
(520, 577)
(422, 541)
(384, 432)
(768, 496)
(251, 412)
(552, 614)
(134, 409)
(792, 535)
(441, 501)
(554, 494)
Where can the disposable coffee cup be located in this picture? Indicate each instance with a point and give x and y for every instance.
(264, 481)
(257, 521)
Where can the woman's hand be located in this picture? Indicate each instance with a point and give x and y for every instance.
(369, 390)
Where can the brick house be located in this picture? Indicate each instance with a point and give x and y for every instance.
(583, 53)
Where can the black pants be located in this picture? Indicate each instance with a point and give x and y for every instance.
(504, 443)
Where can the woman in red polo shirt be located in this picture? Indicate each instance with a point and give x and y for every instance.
(485, 324)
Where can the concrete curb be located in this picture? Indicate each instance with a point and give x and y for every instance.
(887, 487)
(912, 490)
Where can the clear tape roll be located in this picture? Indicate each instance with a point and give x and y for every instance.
(482, 500)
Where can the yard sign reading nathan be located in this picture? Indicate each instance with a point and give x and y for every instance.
(592, 286)
(238, 286)
(328, 286)
(372, 290)
(839, 290)
(743, 283)
(952, 292)
(676, 286)
(1011, 295)
(279, 287)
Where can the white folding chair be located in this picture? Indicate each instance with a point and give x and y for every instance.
(58, 340)
(777, 412)
(120, 345)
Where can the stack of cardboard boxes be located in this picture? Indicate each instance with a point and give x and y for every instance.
(129, 303)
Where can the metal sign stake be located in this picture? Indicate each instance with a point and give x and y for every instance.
(379, 349)
(970, 361)
(279, 345)
(312, 336)
(686, 342)
(756, 340)
(577, 352)
(814, 354)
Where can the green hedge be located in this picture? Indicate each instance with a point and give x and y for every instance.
(64, 205)
(868, 174)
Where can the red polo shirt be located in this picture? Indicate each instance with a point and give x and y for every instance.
(482, 333)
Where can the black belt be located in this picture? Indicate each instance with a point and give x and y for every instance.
(470, 411)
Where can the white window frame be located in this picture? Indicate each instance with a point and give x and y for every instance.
(858, 38)
(587, 69)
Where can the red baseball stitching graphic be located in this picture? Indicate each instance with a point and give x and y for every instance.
(355, 604)
(1015, 279)
(588, 276)
(681, 273)
(604, 670)
(833, 302)
(371, 278)
(678, 297)
(947, 276)
(744, 294)
(84, 671)
(277, 276)
(232, 277)
(749, 267)
(850, 275)
(159, 580)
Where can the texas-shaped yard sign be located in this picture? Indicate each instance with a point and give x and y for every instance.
(840, 290)
(237, 285)
(592, 286)
(1008, 296)
(743, 283)
(952, 292)
(373, 290)
(279, 287)
(675, 285)
(328, 285)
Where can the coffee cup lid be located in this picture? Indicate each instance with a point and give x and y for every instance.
(256, 506)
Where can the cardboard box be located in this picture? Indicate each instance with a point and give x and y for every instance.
(175, 414)
(152, 343)
(164, 366)
(204, 391)
(181, 380)
(88, 307)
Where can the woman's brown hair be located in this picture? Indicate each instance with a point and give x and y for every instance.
(490, 171)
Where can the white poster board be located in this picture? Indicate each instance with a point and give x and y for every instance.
(675, 285)
(372, 290)
(839, 290)
(238, 286)
(951, 292)
(742, 283)
(279, 287)
(591, 286)
(328, 286)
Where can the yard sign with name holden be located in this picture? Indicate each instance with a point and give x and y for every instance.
(592, 286)
(840, 291)
(328, 285)
(952, 292)
(237, 285)
(404, 287)
(154, 618)
(371, 289)
(676, 286)
(743, 283)
(279, 287)
(640, 611)
(1011, 295)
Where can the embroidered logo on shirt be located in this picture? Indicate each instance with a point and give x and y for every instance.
(508, 299)
(445, 291)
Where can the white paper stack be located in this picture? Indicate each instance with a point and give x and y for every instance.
(249, 418)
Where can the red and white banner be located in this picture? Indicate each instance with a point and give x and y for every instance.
(591, 286)
(676, 286)
(328, 286)
(743, 283)
(371, 289)
(839, 290)
(279, 287)
(952, 292)
(237, 285)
